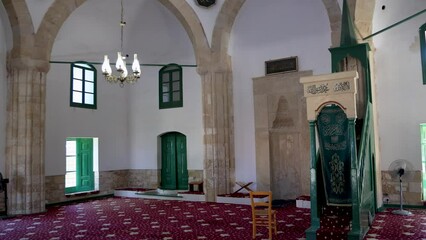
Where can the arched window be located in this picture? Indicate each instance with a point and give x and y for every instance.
(83, 85)
(170, 86)
(422, 32)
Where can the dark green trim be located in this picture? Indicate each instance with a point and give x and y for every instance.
(79, 200)
(395, 24)
(91, 68)
(360, 52)
(170, 69)
(422, 32)
(347, 34)
(128, 64)
(311, 232)
(381, 209)
(356, 231)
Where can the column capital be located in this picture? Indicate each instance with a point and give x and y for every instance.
(28, 63)
(219, 66)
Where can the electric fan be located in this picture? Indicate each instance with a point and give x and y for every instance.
(401, 169)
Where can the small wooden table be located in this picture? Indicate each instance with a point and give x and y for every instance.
(199, 185)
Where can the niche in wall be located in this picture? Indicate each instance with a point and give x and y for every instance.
(282, 135)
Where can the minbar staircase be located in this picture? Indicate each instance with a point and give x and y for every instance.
(335, 223)
(339, 209)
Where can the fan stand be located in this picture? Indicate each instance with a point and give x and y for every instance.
(401, 211)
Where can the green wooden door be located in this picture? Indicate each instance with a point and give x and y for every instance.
(423, 152)
(182, 170)
(79, 165)
(168, 162)
(174, 172)
(85, 176)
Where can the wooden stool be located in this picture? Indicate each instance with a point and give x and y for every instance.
(199, 185)
(243, 186)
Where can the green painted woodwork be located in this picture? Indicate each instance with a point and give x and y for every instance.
(347, 33)
(83, 85)
(422, 33)
(334, 140)
(85, 176)
(84, 166)
(181, 163)
(170, 90)
(423, 148)
(363, 179)
(362, 167)
(311, 232)
(129, 64)
(360, 52)
(174, 171)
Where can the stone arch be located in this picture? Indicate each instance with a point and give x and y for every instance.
(334, 15)
(40, 46)
(22, 30)
(190, 21)
(362, 12)
(223, 27)
(52, 22)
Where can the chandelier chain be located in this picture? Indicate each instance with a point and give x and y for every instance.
(123, 76)
(122, 23)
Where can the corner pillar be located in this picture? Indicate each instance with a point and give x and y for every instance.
(25, 139)
(219, 160)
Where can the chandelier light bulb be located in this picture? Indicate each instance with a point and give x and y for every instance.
(119, 64)
(136, 68)
(123, 75)
(106, 67)
(124, 72)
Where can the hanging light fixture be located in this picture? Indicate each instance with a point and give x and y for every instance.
(120, 65)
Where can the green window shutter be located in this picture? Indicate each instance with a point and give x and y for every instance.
(83, 85)
(422, 32)
(170, 86)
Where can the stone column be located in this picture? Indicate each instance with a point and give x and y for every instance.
(219, 160)
(25, 139)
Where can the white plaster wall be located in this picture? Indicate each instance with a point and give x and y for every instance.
(128, 120)
(164, 40)
(147, 121)
(399, 88)
(108, 122)
(207, 16)
(37, 9)
(266, 30)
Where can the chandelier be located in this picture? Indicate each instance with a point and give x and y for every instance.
(123, 75)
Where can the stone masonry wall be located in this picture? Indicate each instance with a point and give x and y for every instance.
(109, 181)
(412, 189)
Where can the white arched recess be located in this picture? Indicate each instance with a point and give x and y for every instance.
(54, 20)
(128, 120)
(262, 32)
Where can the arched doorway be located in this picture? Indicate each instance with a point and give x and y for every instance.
(174, 171)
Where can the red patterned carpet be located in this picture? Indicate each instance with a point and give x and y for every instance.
(392, 227)
(136, 218)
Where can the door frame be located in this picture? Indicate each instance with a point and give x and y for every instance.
(179, 166)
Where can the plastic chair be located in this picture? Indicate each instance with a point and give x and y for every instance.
(262, 213)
